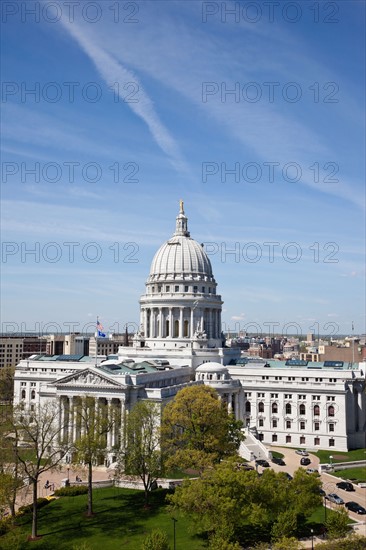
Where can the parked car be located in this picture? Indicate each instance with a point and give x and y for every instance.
(305, 461)
(278, 461)
(301, 452)
(262, 462)
(345, 485)
(312, 471)
(355, 507)
(322, 492)
(333, 497)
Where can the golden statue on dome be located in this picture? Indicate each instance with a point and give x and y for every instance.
(181, 206)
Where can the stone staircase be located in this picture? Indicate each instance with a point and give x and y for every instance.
(252, 449)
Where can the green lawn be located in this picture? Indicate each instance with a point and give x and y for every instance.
(357, 474)
(341, 456)
(277, 455)
(120, 521)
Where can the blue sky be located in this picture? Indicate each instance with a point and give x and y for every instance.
(255, 119)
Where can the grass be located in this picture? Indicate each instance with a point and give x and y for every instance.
(120, 521)
(354, 474)
(277, 455)
(341, 456)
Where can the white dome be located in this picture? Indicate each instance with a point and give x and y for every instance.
(211, 366)
(181, 255)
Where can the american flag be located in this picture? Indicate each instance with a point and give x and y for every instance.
(100, 329)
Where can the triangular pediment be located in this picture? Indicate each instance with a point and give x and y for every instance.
(88, 378)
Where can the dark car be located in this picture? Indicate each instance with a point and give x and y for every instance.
(345, 485)
(262, 462)
(354, 507)
(278, 461)
(322, 492)
(305, 461)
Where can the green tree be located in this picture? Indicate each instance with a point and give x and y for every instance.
(337, 524)
(352, 542)
(142, 455)
(156, 540)
(94, 423)
(285, 525)
(40, 431)
(197, 430)
(287, 543)
(7, 384)
(10, 476)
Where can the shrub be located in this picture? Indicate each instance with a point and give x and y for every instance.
(5, 524)
(72, 491)
(41, 502)
(156, 540)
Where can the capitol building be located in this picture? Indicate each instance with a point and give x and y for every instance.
(179, 343)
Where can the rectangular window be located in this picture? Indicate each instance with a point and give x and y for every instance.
(302, 440)
(331, 443)
(288, 439)
(261, 422)
(195, 289)
(302, 425)
(274, 423)
(167, 288)
(274, 437)
(316, 426)
(288, 424)
(331, 427)
(186, 288)
(203, 289)
(176, 288)
(316, 440)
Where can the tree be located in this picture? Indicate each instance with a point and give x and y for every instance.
(352, 542)
(156, 540)
(197, 430)
(10, 477)
(234, 504)
(337, 524)
(7, 384)
(142, 455)
(40, 431)
(94, 422)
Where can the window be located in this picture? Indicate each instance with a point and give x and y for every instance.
(261, 407)
(330, 398)
(302, 425)
(288, 395)
(274, 437)
(316, 410)
(302, 440)
(159, 288)
(288, 408)
(316, 397)
(186, 288)
(23, 394)
(203, 289)
(278, 377)
(302, 409)
(261, 422)
(274, 395)
(176, 288)
(167, 288)
(301, 396)
(260, 394)
(305, 379)
(331, 442)
(331, 427)
(247, 407)
(288, 424)
(195, 289)
(33, 394)
(331, 410)
(274, 424)
(288, 439)
(209, 290)
(274, 408)
(316, 426)
(316, 440)
(152, 289)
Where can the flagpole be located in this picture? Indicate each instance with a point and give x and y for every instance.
(353, 344)
(96, 341)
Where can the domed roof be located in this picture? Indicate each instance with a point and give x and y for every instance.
(211, 366)
(181, 255)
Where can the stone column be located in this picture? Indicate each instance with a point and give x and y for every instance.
(160, 323)
(210, 317)
(151, 323)
(191, 328)
(180, 322)
(170, 334)
(70, 427)
(110, 431)
(60, 418)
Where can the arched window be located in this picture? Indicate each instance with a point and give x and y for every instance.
(33, 394)
(330, 410)
(247, 407)
(316, 410)
(302, 409)
(176, 329)
(288, 408)
(274, 408)
(23, 394)
(185, 329)
(261, 407)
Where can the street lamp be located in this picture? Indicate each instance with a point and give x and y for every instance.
(174, 522)
(68, 474)
(312, 539)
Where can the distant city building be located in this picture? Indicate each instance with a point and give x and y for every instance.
(15, 348)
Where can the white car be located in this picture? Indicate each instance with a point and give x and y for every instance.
(311, 471)
(301, 452)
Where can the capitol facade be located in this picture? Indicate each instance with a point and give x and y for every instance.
(179, 343)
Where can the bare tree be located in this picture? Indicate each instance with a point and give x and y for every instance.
(94, 421)
(37, 433)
